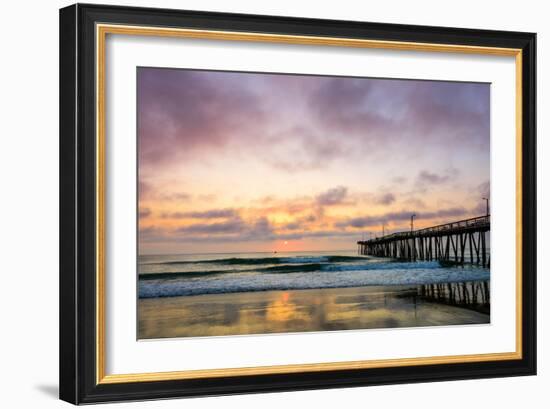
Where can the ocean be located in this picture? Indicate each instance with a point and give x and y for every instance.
(199, 274)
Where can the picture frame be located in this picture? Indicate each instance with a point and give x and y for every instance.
(83, 284)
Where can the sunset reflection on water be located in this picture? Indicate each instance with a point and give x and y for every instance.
(302, 311)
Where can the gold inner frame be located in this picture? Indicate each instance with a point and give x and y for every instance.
(101, 33)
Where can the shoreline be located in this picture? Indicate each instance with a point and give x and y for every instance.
(306, 310)
(413, 285)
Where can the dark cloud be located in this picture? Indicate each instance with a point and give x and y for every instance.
(426, 177)
(182, 110)
(293, 226)
(331, 197)
(385, 199)
(309, 218)
(432, 178)
(261, 229)
(144, 212)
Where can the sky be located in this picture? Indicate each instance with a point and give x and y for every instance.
(248, 162)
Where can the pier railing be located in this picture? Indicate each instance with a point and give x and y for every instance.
(481, 222)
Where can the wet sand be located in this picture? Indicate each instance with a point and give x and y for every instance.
(304, 311)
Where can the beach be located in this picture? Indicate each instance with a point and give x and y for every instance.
(327, 309)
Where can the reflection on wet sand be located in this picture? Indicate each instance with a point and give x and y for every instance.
(314, 310)
(473, 295)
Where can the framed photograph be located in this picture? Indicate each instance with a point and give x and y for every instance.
(257, 203)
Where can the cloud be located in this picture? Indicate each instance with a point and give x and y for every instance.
(293, 226)
(316, 234)
(147, 191)
(481, 191)
(314, 120)
(177, 197)
(207, 198)
(393, 217)
(426, 177)
(374, 114)
(385, 199)
(180, 111)
(290, 206)
(144, 212)
(260, 231)
(207, 214)
(451, 212)
(343, 106)
(382, 198)
(212, 214)
(233, 229)
(415, 202)
(484, 189)
(333, 196)
(456, 113)
(432, 178)
(144, 190)
(399, 180)
(310, 218)
(266, 199)
(300, 148)
(236, 225)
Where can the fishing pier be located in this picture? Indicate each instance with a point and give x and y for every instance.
(456, 242)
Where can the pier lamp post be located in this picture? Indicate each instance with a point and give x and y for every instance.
(487, 205)
(412, 222)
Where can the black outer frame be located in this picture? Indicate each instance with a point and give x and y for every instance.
(77, 204)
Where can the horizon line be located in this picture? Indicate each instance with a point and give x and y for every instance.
(241, 252)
